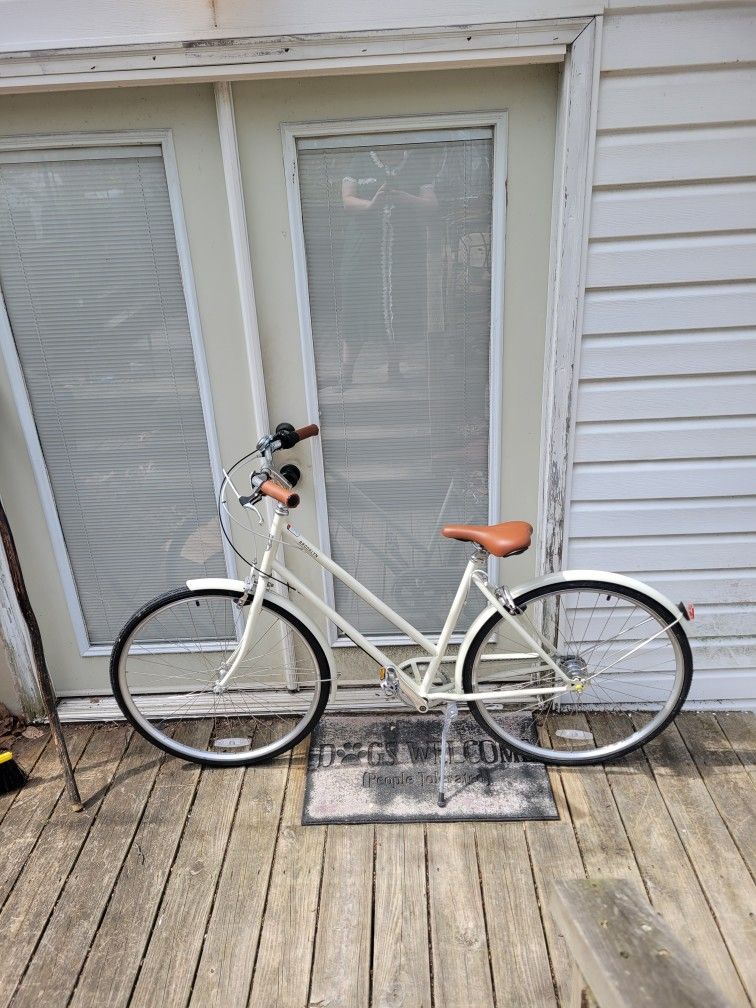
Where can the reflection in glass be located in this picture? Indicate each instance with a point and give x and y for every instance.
(398, 247)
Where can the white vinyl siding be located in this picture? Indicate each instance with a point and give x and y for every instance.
(664, 472)
(91, 280)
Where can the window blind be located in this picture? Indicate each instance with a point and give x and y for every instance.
(91, 279)
(397, 235)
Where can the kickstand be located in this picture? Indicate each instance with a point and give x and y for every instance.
(452, 710)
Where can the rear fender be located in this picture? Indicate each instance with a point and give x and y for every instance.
(550, 580)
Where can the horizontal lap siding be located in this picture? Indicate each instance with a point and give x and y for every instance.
(663, 484)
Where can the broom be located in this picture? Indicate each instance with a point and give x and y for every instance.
(12, 777)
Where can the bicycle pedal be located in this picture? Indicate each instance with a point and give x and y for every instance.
(389, 681)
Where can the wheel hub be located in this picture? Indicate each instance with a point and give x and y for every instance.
(572, 665)
(575, 667)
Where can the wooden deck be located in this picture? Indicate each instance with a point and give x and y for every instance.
(181, 888)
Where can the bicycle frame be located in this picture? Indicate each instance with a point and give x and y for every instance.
(418, 688)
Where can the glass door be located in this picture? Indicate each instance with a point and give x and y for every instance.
(398, 236)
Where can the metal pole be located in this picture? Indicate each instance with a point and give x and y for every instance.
(40, 665)
(452, 710)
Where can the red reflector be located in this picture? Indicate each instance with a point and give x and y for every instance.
(690, 610)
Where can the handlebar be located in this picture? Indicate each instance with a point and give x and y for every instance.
(286, 436)
(309, 431)
(286, 497)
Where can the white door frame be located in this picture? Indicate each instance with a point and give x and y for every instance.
(290, 133)
(136, 62)
(570, 219)
(575, 42)
(124, 139)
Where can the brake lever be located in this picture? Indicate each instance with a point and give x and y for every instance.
(253, 507)
(249, 504)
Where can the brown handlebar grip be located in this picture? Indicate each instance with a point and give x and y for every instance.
(309, 431)
(286, 497)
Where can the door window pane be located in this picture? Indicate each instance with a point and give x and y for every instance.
(91, 280)
(397, 232)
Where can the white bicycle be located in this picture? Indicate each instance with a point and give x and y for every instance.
(227, 673)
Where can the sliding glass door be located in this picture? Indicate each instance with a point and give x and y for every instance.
(400, 238)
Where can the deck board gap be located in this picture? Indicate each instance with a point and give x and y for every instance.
(485, 917)
(372, 918)
(326, 832)
(218, 877)
(432, 991)
(542, 908)
(270, 876)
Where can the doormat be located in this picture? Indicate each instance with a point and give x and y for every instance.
(384, 769)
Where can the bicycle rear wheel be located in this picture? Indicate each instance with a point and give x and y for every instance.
(630, 663)
(165, 668)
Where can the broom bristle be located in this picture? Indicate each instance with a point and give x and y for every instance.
(12, 777)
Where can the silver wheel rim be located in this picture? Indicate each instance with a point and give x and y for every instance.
(281, 743)
(634, 738)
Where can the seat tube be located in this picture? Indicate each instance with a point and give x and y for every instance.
(451, 621)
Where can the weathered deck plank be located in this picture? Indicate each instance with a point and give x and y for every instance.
(740, 730)
(111, 967)
(461, 970)
(203, 889)
(228, 956)
(34, 804)
(284, 960)
(554, 854)
(601, 836)
(401, 954)
(26, 753)
(25, 914)
(167, 972)
(726, 779)
(511, 905)
(628, 955)
(56, 964)
(669, 877)
(723, 876)
(341, 968)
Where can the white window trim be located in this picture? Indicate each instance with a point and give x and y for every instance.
(163, 139)
(136, 61)
(290, 133)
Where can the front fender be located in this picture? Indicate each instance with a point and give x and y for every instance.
(548, 580)
(205, 584)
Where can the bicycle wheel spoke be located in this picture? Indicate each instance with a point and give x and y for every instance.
(173, 664)
(619, 652)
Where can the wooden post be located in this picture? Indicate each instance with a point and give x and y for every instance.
(42, 674)
(625, 954)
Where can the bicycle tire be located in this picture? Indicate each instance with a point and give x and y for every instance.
(163, 741)
(567, 758)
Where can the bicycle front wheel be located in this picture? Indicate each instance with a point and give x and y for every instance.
(168, 660)
(629, 663)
